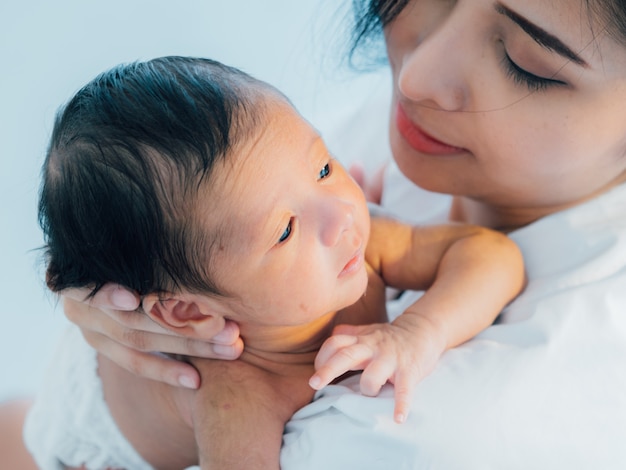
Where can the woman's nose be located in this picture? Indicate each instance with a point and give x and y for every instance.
(337, 218)
(435, 71)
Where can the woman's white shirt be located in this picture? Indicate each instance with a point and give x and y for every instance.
(543, 388)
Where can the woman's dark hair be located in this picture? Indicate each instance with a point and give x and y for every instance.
(127, 158)
(371, 17)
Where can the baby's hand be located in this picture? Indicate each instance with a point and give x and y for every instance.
(403, 353)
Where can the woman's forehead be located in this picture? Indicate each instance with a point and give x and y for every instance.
(585, 26)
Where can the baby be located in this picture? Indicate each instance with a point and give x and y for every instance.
(202, 189)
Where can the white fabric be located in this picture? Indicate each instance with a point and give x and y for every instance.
(545, 388)
(70, 422)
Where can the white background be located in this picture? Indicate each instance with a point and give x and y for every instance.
(50, 49)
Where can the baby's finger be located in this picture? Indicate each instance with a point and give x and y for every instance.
(351, 330)
(375, 375)
(404, 386)
(331, 346)
(349, 358)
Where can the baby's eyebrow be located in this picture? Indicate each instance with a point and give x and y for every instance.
(541, 36)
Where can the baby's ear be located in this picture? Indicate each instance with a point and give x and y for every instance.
(185, 314)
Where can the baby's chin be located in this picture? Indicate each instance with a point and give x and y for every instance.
(361, 281)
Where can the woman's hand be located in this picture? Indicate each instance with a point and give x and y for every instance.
(112, 325)
(239, 419)
(372, 185)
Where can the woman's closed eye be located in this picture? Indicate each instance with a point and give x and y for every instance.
(523, 77)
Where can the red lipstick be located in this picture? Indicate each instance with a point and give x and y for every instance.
(418, 139)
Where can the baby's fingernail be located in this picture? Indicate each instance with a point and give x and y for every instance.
(400, 418)
(315, 382)
(187, 382)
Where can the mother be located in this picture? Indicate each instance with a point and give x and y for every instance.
(516, 109)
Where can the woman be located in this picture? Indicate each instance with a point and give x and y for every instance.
(515, 109)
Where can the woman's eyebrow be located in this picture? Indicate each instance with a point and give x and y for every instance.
(541, 36)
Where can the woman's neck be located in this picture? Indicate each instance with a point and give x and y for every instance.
(501, 218)
(508, 218)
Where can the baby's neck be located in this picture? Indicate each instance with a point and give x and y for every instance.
(286, 344)
(271, 347)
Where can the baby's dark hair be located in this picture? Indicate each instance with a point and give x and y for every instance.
(127, 158)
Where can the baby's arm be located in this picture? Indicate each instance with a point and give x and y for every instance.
(470, 274)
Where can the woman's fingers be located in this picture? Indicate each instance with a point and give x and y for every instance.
(229, 336)
(130, 339)
(135, 331)
(144, 364)
(123, 323)
(115, 323)
(110, 296)
(372, 185)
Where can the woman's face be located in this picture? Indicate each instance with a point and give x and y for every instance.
(519, 105)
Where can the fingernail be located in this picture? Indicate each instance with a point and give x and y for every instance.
(187, 382)
(223, 351)
(315, 382)
(223, 336)
(123, 299)
(400, 418)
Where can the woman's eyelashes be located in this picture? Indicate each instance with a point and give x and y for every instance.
(287, 233)
(524, 77)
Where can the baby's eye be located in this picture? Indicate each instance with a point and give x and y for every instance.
(324, 172)
(287, 232)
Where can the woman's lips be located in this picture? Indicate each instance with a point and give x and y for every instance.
(418, 139)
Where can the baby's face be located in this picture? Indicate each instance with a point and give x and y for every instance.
(294, 226)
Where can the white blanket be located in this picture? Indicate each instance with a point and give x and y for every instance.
(70, 423)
